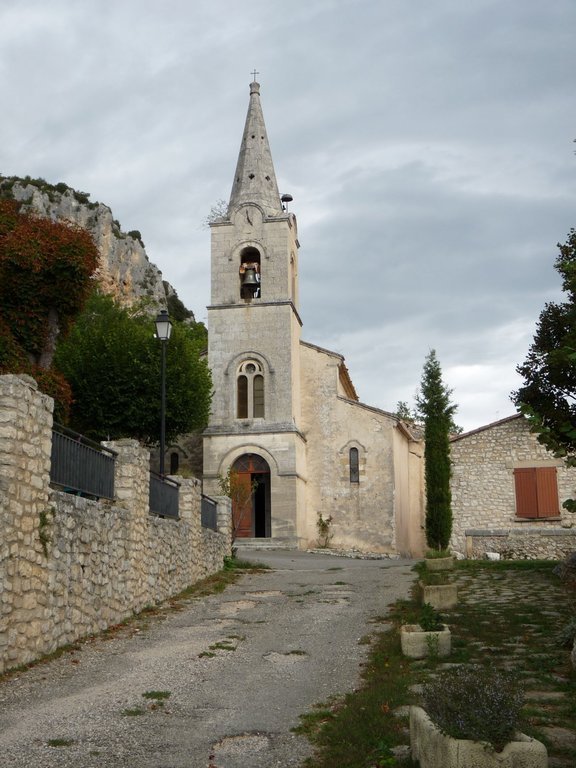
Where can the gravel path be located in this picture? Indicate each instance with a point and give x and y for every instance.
(235, 669)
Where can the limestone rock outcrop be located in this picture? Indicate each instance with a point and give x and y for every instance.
(124, 270)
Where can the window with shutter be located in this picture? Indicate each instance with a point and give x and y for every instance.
(536, 492)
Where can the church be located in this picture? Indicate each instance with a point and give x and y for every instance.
(285, 415)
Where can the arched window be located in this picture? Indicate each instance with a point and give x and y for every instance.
(354, 466)
(250, 391)
(174, 463)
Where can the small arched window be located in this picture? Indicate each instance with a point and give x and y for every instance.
(174, 463)
(354, 466)
(250, 391)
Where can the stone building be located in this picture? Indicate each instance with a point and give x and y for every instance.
(285, 414)
(507, 494)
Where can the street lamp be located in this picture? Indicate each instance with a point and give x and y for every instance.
(163, 331)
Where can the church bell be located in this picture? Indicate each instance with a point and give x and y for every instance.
(250, 280)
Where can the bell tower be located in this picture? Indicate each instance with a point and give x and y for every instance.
(254, 341)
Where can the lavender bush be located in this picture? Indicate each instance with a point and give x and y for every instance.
(475, 702)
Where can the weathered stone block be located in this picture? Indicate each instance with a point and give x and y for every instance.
(433, 749)
(417, 644)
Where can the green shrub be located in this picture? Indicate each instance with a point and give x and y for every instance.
(437, 554)
(430, 620)
(325, 535)
(475, 702)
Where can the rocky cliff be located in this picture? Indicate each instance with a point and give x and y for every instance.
(124, 270)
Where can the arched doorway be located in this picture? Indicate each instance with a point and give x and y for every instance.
(251, 501)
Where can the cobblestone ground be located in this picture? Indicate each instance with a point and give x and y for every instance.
(515, 616)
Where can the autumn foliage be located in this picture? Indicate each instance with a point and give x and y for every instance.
(45, 270)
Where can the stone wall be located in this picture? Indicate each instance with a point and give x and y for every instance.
(484, 499)
(70, 566)
(365, 514)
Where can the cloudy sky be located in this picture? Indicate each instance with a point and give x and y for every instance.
(428, 147)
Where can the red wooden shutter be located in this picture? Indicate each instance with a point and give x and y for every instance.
(526, 492)
(547, 492)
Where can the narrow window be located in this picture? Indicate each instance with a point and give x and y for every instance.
(354, 466)
(242, 397)
(174, 463)
(258, 392)
(250, 394)
(536, 492)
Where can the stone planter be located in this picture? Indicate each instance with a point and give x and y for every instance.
(434, 564)
(433, 749)
(417, 644)
(440, 596)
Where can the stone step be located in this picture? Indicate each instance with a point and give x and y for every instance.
(266, 543)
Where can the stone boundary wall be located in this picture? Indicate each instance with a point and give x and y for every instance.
(525, 544)
(484, 497)
(70, 566)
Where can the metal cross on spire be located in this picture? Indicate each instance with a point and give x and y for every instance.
(254, 73)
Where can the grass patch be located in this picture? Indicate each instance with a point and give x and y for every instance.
(235, 564)
(508, 616)
(157, 695)
(222, 645)
(133, 712)
(60, 742)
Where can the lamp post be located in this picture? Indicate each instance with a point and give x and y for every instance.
(163, 331)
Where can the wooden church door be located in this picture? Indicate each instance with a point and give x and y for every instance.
(251, 505)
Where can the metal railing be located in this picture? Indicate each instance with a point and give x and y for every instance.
(208, 512)
(81, 466)
(164, 496)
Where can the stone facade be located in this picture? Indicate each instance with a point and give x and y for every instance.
(302, 436)
(70, 566)
(372, 514)
(484, 499)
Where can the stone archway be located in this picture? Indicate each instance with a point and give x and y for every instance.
(251, 513)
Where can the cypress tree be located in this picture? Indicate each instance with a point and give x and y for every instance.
(433, 404)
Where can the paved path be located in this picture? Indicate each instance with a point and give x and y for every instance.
(240, 667)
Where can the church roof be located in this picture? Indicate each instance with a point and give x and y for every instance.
(255, 180)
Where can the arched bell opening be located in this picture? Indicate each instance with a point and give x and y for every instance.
(250, 286)
(251, 512)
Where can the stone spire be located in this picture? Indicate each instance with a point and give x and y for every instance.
(255, 180)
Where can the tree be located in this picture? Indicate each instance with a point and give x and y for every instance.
(548, 396)
(45, 278)
(240, 490)
(112, 362)
(436, 410)
(410, 415)
(45, 271)
(218, 211)
(404, 412)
